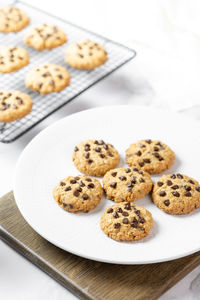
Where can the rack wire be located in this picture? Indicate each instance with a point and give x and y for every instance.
(81, 80)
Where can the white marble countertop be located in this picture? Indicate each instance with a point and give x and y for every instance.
(164, 74)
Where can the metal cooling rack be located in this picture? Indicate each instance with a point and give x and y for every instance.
(81, 80)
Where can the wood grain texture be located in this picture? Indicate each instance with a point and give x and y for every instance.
(85, 278)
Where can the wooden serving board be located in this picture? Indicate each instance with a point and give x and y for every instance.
(85, 278)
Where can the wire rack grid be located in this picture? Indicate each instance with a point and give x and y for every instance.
(81, 80)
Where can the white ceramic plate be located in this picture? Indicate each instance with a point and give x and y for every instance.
(47, 159)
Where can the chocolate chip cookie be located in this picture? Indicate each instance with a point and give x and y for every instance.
(151, 156)
(47, 78)
(12, 58)
(86, 55)
(126, 222)
(95, 157)
(12, 19)
(126, 184)
(78, 194)
(14, 105)
(45, 37)
(176, 194)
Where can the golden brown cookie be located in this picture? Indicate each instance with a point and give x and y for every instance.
(47, 78)
(12, 19)
(45, 37)
(14, 105)
(126, 184)
(95, 157)
(151, 156)
(86, 55)
(12, 58)
(78, 194)
(126, 222)
(176, 194)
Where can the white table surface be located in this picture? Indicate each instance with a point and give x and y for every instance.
(146, 81)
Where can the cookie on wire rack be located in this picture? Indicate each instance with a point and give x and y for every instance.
(47, 78)
(45, 37)
(86, 55)
(14, 105)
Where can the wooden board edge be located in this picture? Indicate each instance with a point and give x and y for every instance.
(27, 253)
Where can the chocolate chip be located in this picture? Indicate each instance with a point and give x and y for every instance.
(70, 206)
(156, 148)
(176, 194)
(51, 82)
(188, 194)
(62, 183)
(76, 193)
(91, 185)
(125, 221)
(82, 184)
(90, 161)
(110, 154)
(134, 223)
(76, 149)
(128, 170)
(85, 196)
(81, 55)
(127, 206)
(169, 182)
(142, 220)
(77, 178)
(110, 210)
(87, 147)
(88, 179)
(102, 155)
(147, 161)
(166, 202)
(125, 214)
(97, 149)
(122, 178)
(148, 141)
(159, 183)
(133, 181)
(162, 193)
(187, 188)
(157, 155)
(173, 176)
(141, 180)
(105, 146)
(60, 76)
(130, 189)
(115, 215)
(120, 210)
(19, 100)
(99, 142)
(130, 184)
(175, 187)
(198, 189)
(40, 84)
(113, 185)
(46, 74)
(87, 155)
(191, 181)
(160, 158)
(141, 164)
(139, 153)
(72, 181)
(117, 225)
(179, 176)
(68, 188)
(137, 212)
(79, 189)
(64, 204)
